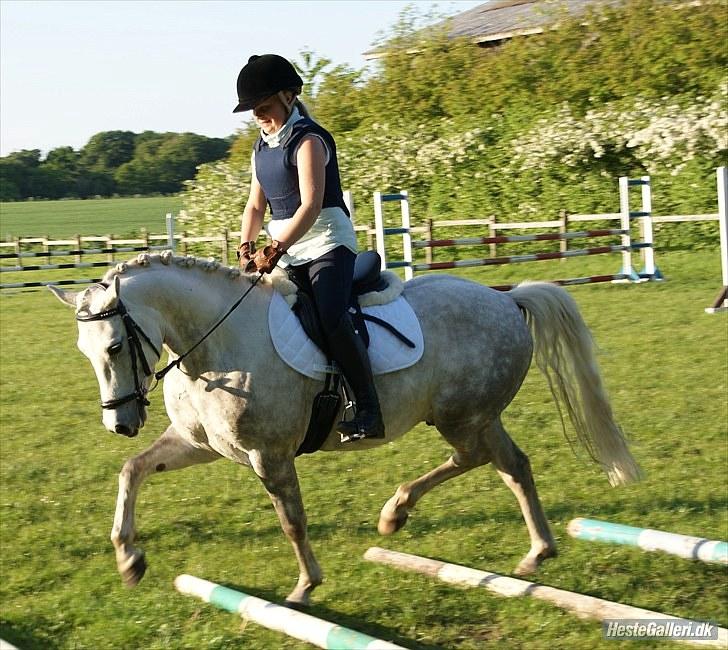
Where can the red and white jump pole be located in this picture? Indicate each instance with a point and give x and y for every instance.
(650, 271)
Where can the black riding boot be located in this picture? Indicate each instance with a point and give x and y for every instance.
(349, 352)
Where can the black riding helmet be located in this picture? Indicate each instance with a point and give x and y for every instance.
(262, 77)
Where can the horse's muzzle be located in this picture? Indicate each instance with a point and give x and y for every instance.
(126, 431)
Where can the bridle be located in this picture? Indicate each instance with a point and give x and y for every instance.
(136, 353)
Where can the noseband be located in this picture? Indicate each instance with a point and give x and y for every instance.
(135, 351)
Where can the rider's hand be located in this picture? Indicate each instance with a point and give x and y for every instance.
(246, 251)
(265, 260)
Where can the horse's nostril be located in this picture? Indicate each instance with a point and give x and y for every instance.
(123, 430)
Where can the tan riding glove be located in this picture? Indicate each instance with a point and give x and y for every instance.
(265, 260)
(246, 250)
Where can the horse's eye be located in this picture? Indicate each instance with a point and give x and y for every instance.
(115, 349)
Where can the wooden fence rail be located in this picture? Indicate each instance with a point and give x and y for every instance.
(226, 242)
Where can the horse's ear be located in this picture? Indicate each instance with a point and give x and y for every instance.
(68, 297)
(111, 295)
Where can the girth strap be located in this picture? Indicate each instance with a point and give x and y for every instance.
(389, 327)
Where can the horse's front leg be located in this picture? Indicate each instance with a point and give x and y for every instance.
(281, 481)
(167, 453)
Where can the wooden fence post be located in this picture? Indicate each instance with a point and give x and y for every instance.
(19, 261)
(492, 231)
(109, 247)
(78, 248)
(429, 236)
(224, 252)
(563, 243)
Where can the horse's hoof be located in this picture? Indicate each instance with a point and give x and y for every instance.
(132, 574)
(530, 563)
(525, 567)
(298, 599)
(390, 525)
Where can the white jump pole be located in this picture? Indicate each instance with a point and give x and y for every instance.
(685, 546)
(305, 627)
(581, 605)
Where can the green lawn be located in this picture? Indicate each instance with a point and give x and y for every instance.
(663, 359)
(62, 219)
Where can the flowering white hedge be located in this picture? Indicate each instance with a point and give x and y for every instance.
(215, 198)
(662, 134)
(564, 161)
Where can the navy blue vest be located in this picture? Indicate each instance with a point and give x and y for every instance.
(278, 176)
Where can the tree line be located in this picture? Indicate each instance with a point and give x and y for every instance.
(111, 163)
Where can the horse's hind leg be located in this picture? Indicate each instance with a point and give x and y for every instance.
(167, 453)
(515, 470)
(395, 512)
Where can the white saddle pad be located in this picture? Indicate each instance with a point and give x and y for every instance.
(386, 352)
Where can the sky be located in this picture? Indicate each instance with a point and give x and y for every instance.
(69, 70)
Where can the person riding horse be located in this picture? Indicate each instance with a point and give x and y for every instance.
(296, 173)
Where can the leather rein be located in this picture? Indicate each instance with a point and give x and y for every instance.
(136, 352)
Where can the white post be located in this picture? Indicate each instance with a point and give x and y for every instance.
(379, 228)
(648, 254)
(721, 302)
(722, 179)
(406, 236)
(170, 231)
(349, 201)
(625, 225)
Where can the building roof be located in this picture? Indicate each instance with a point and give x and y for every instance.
(502, 19)
(499, 20)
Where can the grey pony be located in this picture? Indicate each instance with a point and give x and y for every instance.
(226, 399)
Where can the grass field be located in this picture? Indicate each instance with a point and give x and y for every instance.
(61, 219)
(664, 360)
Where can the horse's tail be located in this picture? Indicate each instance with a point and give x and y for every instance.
(564, 352)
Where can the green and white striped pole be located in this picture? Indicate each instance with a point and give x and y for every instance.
(305, 627)
(692, 548)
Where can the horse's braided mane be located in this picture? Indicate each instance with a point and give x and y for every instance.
(278, 278)
(167, 258)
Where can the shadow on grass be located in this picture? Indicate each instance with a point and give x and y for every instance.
(24, 634)
(563, 512)
(338, 618)
(209, 530)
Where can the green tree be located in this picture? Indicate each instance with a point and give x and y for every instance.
(16, 174)
(63, 158)
(108, 150)
(11, 175)
(340, 87)
(311, 66)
